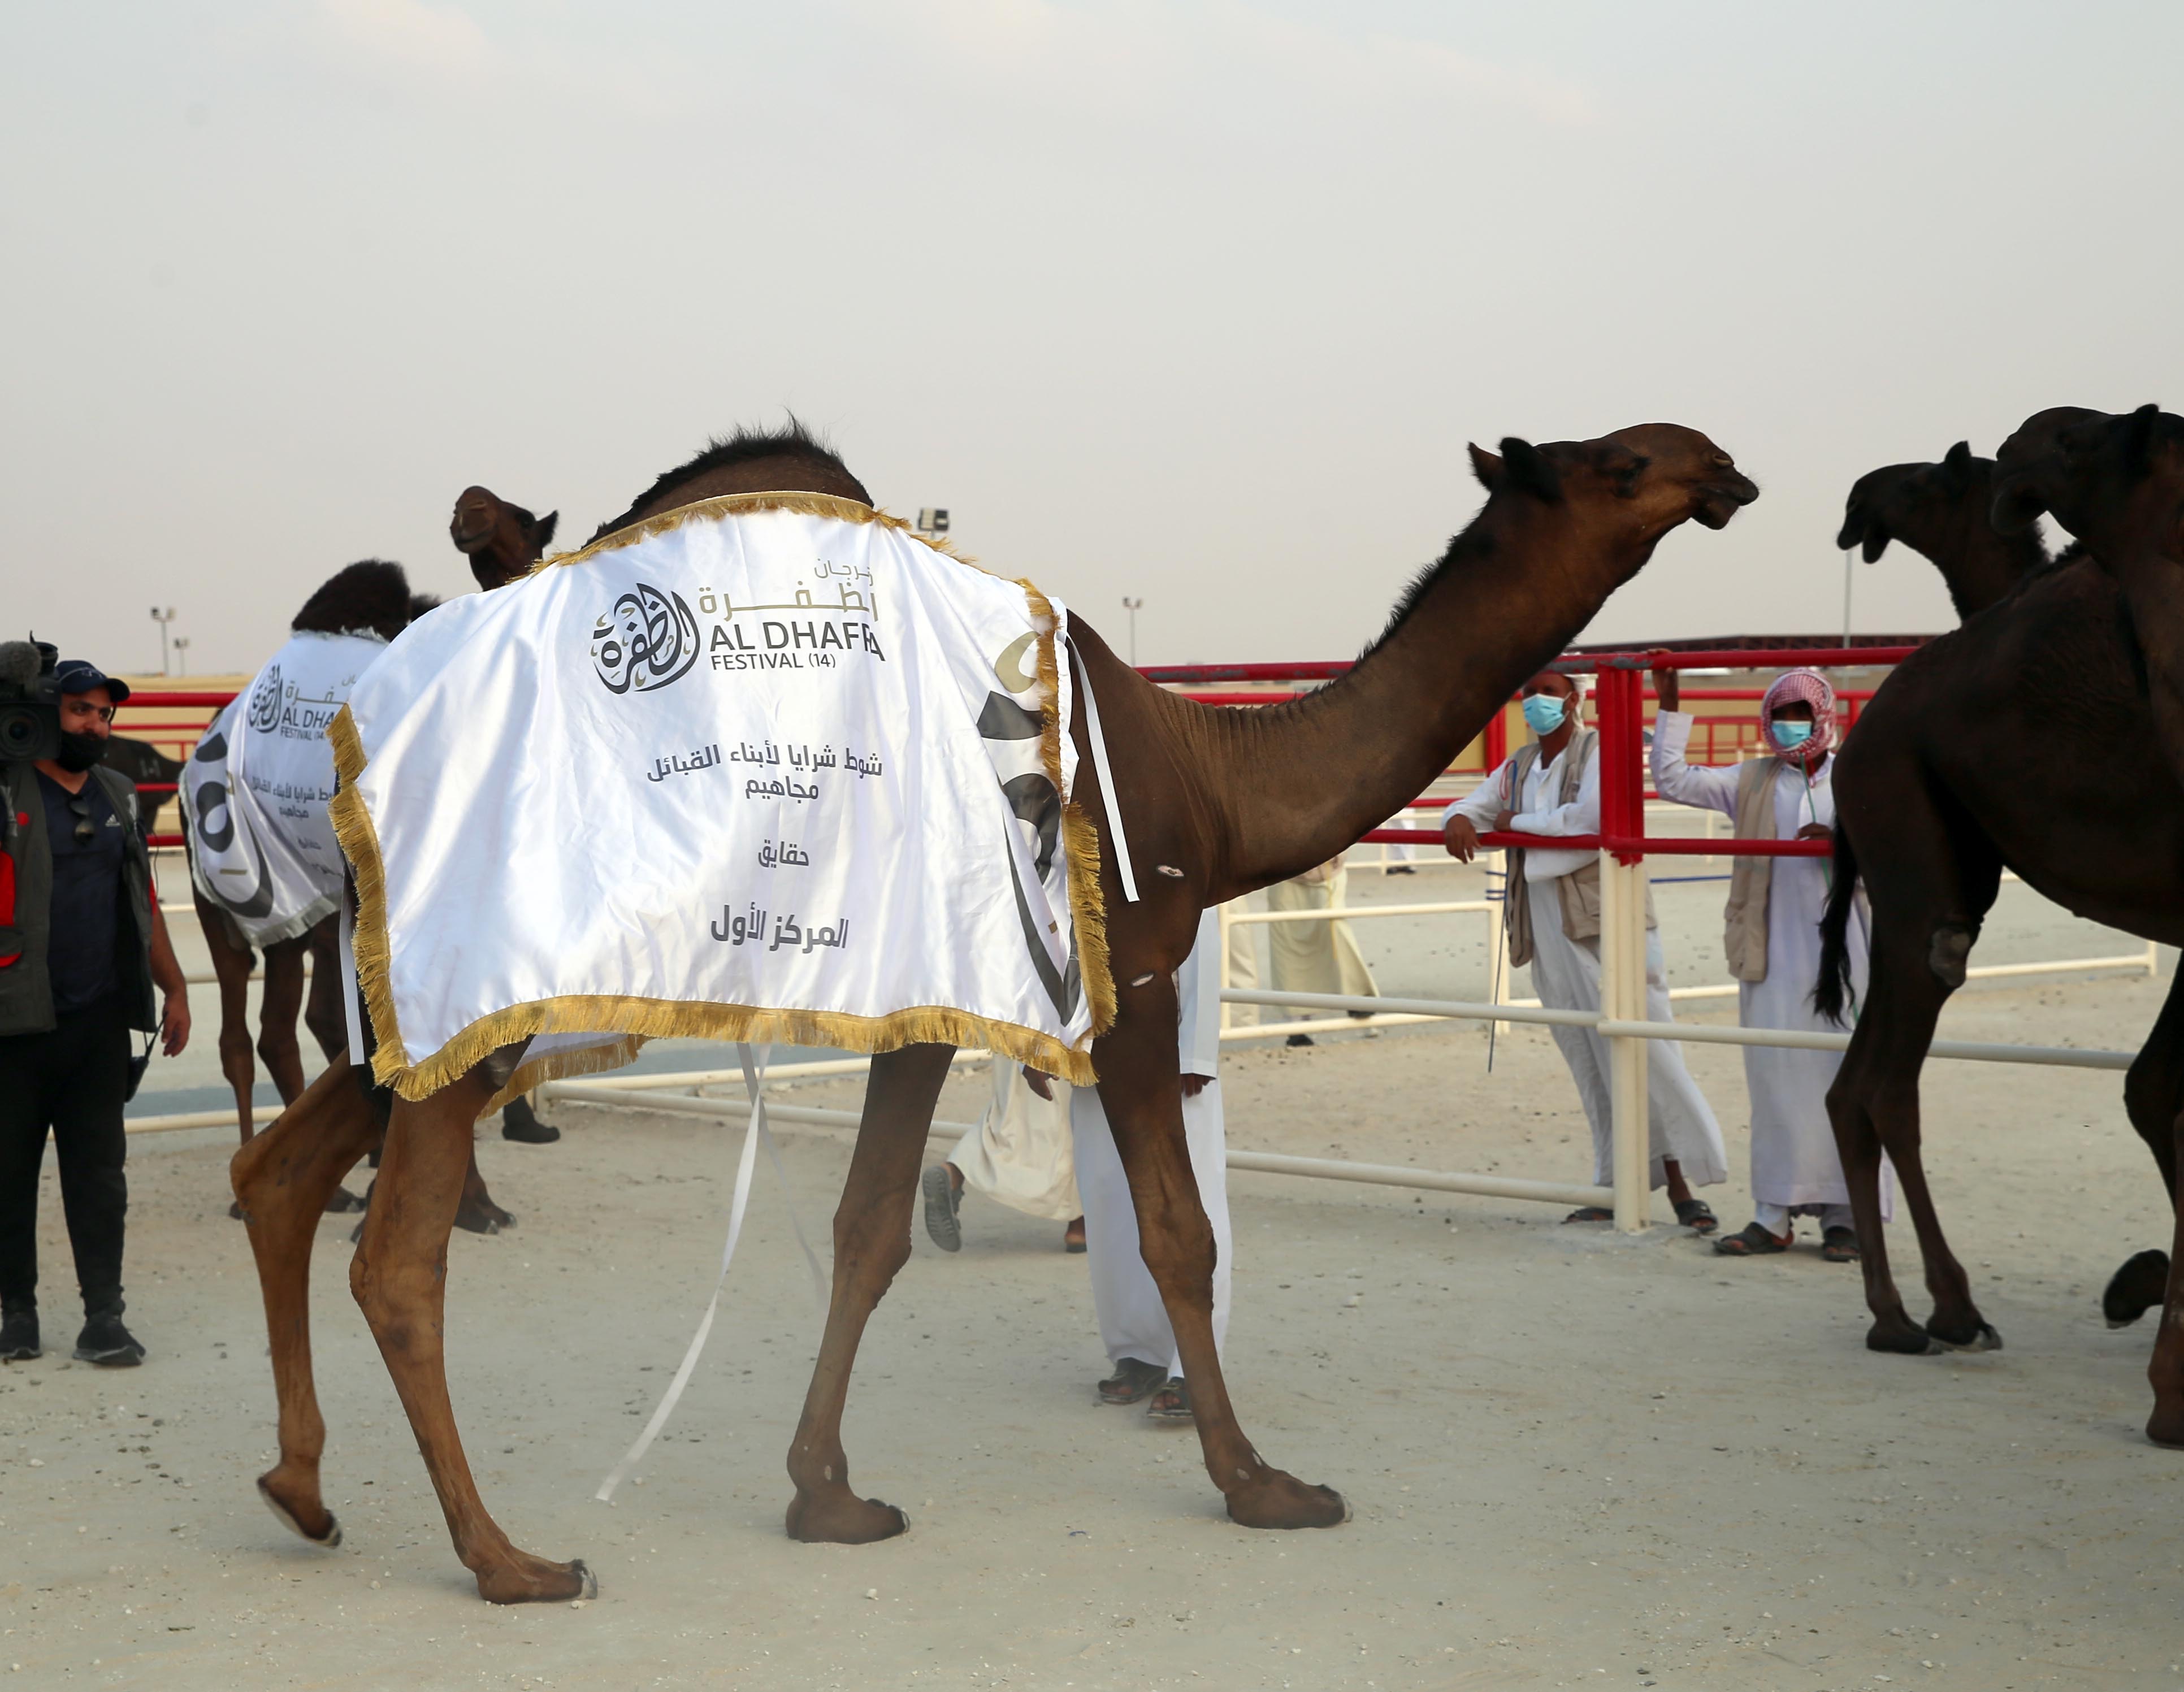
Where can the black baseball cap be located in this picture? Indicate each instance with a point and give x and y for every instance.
(81, 675)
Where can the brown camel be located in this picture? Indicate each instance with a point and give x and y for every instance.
(1973, 757)
(1234, 801)
(502, 541)
(1944, 512)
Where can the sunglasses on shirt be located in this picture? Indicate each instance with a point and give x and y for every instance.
(83, 831)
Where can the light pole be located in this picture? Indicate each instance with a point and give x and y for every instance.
(1132, 606)
(163, 618)
(182, 655)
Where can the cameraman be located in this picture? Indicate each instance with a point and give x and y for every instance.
(81, 947)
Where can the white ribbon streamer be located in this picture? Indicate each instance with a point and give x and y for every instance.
(1106, 782)
(754, 1131)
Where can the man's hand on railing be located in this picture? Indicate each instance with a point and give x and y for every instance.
(1666, 690)
(1461, 838)
(1816, 831)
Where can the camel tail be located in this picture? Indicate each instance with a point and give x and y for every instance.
(1833, 991)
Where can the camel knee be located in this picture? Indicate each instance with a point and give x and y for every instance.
(234, 1050)
(1948, 951)
(278, 1046)
(1178, 1251)
(868, 1248)
(396, 1302)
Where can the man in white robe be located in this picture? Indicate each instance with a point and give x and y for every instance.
(1306, 957)
(1133, 1324)
(1774, 938)
(1539, 791)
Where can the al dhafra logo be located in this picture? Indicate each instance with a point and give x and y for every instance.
(264, 712)
(647, 640)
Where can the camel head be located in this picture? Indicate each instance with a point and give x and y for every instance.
(2111, 481)
(1916, 503)
(2029, 460)
(1647, 479)
(501, 541)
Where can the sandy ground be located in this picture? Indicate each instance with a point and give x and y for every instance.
(1576, 1459)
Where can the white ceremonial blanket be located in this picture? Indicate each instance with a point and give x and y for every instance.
(765, 768)
(254, 792)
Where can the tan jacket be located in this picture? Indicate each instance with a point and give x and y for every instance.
(1744, 918)
(1578, 892)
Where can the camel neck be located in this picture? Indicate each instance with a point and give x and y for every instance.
(1981, 566)
(1306, 779)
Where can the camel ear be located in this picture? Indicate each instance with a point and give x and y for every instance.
(542, 531)
(1526, 470)
(2139, 441)
(1957, 465)
(1485, 466)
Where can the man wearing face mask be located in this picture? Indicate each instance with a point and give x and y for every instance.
(1552, 912)
(1774, 943)
(82, 948)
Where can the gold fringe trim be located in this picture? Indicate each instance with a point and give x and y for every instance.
(359, 843)
(675, 1018)
(640, 1019)
(566, 1067)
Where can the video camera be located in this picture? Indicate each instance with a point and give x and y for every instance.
(30, 701)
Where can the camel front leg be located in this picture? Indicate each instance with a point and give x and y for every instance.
(282, 1180)
(1141, 1091)
(2153, 1094)
(399, 1280)
(871, 1242)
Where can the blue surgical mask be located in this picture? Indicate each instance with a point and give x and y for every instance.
(1545, 712)
(1790, 736)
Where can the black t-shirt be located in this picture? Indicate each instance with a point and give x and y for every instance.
(83, 952)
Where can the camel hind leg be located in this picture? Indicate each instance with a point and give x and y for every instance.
(399, 1279)
(871, 1242)
(1929, 892)
(2153, 1095)
(231, 965)
(2165, 1371)
(1141, 1091)
(282, 1180)
(280, 1006)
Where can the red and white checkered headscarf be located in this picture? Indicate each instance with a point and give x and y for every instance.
(1801, 686)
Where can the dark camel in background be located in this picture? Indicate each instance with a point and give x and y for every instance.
(2023, 740)
(1945, 513)
(1233, 800)
(502, 542)
(370, 595)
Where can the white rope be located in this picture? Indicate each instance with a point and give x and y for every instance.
(1107, 781)
(754, 1076)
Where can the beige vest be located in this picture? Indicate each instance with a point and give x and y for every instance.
(1749, 879)
(1578, 892)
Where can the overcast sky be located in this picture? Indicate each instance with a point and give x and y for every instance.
(1198, 302)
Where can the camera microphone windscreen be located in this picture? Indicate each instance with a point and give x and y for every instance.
(20, 663)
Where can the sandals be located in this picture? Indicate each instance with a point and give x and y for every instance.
(942, 1202)
(1839, 1246)
(1698, 1215)
(1171, 1404)
(1590, 1213)
(1750, 1241)
(1133, 1379)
